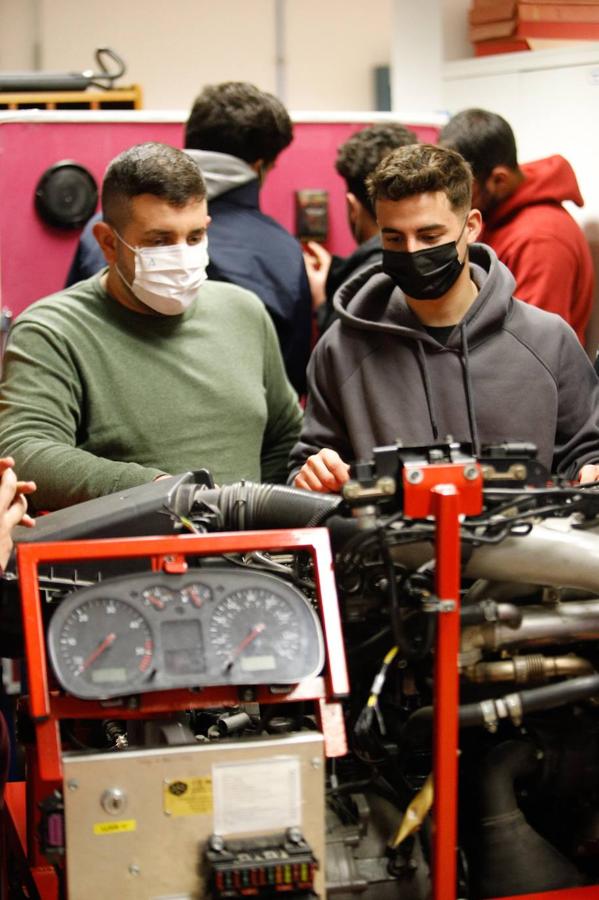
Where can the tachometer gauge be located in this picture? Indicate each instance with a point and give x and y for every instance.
(102, 647)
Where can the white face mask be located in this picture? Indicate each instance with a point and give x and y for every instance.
(167, 279)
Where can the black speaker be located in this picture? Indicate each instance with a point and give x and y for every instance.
(66, 195)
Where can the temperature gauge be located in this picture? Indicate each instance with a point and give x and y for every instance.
(158, 597)
(196, 594)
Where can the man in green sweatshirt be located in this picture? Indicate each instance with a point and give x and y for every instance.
(146, 368)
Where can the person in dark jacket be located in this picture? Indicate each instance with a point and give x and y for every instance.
(234, 133)
(525, 221)
(356, 159)
(432, 342)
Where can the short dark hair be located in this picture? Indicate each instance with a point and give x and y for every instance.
(237, 118)
(484, 138)
(363, 151)
(422, 169)
(149, 168)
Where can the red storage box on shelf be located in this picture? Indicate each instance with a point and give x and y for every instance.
(506, 26)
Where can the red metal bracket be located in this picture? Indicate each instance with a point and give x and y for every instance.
(47, 710)
(445, 492)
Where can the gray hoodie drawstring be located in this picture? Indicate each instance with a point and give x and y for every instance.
(421, 356)
(428, 390)
(465, 360)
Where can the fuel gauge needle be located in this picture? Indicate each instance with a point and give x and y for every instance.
(106, 643)
(238, 650)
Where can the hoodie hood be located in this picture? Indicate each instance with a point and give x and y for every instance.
(550, 180)
(221, 171)
(371, 301)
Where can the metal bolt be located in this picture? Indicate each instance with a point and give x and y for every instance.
(72, 784)
(134, 869)
(470, 473)
(216, 842)
(351, 490)
(294, 835)
(415, 476)
(113, 801)
(386, 484)
(315, 762)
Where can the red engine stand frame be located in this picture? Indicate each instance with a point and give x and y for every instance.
(48, 707)
(446, 492)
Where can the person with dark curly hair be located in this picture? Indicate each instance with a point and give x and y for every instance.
(433, 342)
(234, 133)
(356, 159)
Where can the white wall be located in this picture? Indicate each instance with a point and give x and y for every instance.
(551, 100)
(17, 34)
(455, 30)
(173, 48)
(332, 49)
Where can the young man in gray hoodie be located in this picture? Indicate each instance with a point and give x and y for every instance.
(432, 342)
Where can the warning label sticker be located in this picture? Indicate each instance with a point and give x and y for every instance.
(115, 827)
(188, 797)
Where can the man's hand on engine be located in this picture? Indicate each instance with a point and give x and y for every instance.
(325, 472)
(13, 506)
(588, 474)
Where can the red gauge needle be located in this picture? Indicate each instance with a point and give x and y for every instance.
(238, 650)
(108, 640)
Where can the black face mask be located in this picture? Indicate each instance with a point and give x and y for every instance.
(426, 274)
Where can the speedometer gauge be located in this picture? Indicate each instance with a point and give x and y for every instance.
(255, 630)
(104, 647)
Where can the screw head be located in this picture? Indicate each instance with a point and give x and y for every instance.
(72, 784)
(470, 473)
(216, 842)
(113, 801)
(415, 476)
(134, 869)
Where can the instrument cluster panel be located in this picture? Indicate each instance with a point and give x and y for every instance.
(211, 626)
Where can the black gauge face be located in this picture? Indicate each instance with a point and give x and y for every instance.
(158, 597)
(253, 629)
(211, 626)
(104, 644)
(196, 595)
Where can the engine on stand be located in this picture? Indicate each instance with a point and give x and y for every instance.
(206, 690)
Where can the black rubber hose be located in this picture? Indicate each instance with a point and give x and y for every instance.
(502, 766)
(511, 857)
(246, 505)
(419, 726)
(560, 694)
(491, 611)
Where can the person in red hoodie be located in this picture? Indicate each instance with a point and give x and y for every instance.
(524, 220)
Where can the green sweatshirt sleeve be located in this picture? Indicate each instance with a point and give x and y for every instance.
(41, 398)
(284, 412)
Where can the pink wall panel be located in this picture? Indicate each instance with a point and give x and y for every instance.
(309, 162)
(34, 258)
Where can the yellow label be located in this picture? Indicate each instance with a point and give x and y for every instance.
(115, 827)
(188, 797)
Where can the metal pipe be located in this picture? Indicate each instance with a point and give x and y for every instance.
(553, 553)
(540, 626)
(528, 669)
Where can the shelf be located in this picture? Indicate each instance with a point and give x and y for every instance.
(119, 98)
